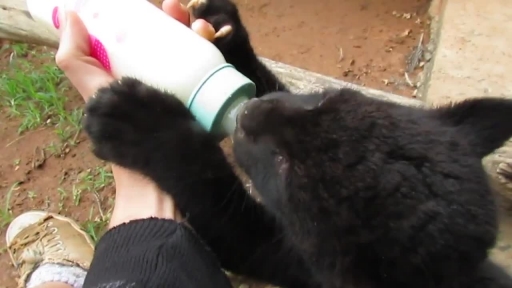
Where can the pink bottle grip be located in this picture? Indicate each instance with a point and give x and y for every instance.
(55, 17)
(99, 52)
(97, 49)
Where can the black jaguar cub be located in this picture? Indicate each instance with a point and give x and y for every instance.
(356, 192)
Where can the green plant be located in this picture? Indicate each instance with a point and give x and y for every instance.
(6, 212)
(37, 94)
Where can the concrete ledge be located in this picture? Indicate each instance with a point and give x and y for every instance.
(473, 56)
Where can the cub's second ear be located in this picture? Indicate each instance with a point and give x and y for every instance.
(487, 122)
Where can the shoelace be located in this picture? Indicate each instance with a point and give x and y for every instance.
(33, 245)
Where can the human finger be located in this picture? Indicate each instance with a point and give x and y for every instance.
(203, 29)
(74, 38)
(177, 11)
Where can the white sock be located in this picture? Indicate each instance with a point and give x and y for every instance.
(71, 275)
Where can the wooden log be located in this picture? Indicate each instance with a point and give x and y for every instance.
(17, 24)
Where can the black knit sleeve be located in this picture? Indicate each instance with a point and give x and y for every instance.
(154, 253)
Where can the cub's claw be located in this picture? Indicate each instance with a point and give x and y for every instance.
(224, 18)
(229, 34)
(504, 172)
(224, 31)
(193, 4)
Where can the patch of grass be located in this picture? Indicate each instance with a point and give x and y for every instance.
(95, 226)
(35, 91)
(93, 181)
(31, 195)
(19, 49)
(62, 198)
(97, 178)
(6, 212)
(36, 94)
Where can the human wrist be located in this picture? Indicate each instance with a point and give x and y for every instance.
(137, 197)
(162, 209)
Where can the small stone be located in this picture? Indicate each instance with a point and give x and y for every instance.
(427, 56)
(503, 247)
(430, 47)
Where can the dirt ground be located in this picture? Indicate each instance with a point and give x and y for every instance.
(45, 162)
(367, 42)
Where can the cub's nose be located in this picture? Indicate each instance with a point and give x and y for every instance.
(244, 110)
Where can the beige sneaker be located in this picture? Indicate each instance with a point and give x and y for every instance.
(36, 237)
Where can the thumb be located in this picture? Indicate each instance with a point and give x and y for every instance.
(74, 40)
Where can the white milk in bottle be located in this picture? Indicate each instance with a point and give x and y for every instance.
(136, 39)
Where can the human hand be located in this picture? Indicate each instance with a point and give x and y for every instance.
(84, 71)
(136, 196)
(73, 57)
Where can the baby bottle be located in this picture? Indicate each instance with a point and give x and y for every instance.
(136, 39)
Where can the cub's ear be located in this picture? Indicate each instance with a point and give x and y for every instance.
(486, 121)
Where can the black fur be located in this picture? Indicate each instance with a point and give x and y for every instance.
(486, 133)
(373, 193)
(356, 192)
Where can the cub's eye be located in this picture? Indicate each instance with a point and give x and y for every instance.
(277, 157)
(281, 164)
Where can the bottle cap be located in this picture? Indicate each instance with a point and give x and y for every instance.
(216, 99)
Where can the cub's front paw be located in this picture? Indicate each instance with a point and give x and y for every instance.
(223, 15)
(129, 123)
